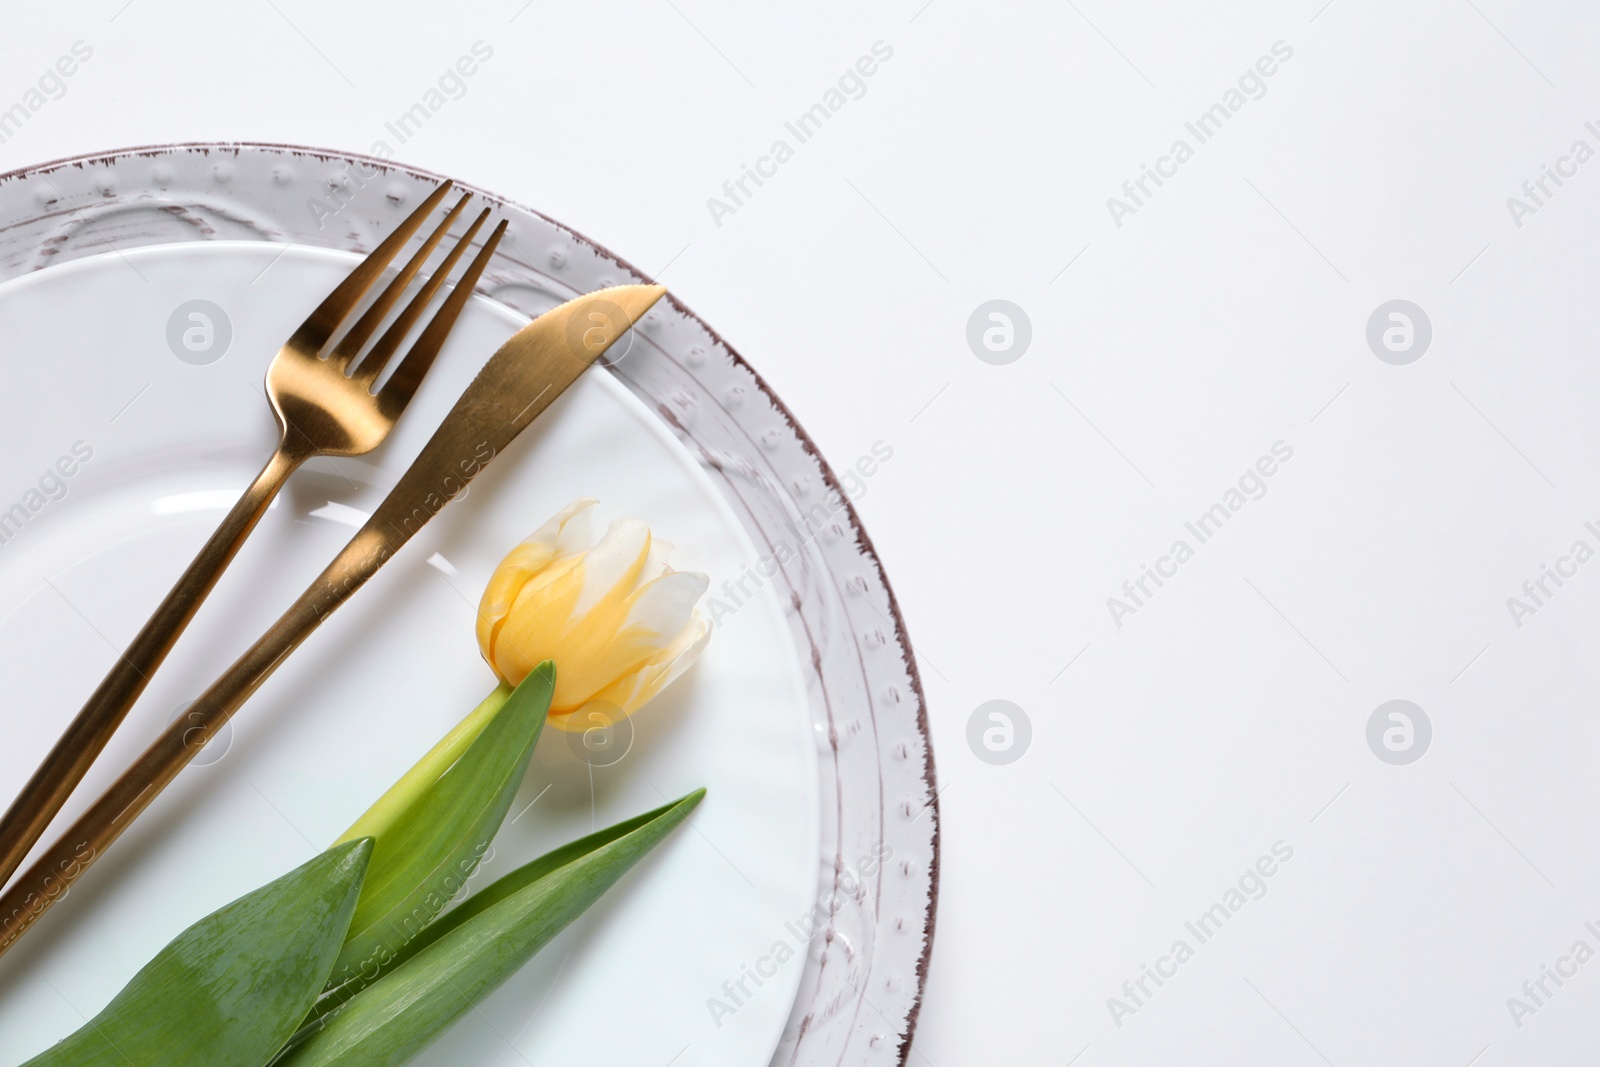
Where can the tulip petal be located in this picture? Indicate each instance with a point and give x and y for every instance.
(632, 691)
(513, 573)
(535, 626)
(617, 639)
(566, 534)
(604, 614)
(655, 566)
(575, 525)
(615, 562)
(592, 647)
(663, 607)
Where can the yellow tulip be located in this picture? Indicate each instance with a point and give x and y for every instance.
(619, 623)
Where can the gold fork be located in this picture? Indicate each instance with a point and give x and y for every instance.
(325, 405)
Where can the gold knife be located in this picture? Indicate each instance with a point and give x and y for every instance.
(518, 383)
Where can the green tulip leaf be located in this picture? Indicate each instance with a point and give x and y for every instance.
(468, 953)
(423, 857)
(231, 989)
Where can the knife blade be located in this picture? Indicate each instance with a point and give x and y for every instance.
(517, 384)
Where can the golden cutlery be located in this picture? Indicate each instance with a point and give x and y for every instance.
(517, 384)
(325, 405)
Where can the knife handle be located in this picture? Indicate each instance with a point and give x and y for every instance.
(86, 736)
(76, 850)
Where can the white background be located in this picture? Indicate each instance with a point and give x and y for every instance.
(1168, 353)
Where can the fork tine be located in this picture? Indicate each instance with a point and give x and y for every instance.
(319, 326)
(397, 392)
(356, 339)
(373, 362)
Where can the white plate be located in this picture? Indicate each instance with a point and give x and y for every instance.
(86, 365)
(863, 941)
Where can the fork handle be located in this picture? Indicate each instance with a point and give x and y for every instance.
(86, 736)
(60, 865)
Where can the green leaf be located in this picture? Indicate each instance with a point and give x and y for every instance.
(467, 954)
(230, 990)
(426, 848)
(375, 822)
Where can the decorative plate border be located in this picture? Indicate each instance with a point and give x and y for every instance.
(866, 964)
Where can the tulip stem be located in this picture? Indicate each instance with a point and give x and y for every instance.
(426, 770)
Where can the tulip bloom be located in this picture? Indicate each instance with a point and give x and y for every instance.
(619, 623)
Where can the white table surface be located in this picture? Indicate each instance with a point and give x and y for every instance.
(1226, 313)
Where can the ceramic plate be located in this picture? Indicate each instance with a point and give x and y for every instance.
(790, 921)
